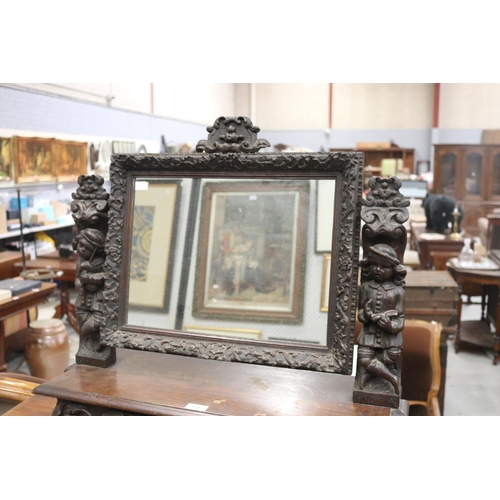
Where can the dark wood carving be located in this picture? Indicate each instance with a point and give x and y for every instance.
(382, 296)
(227, 155)
(90, 211)
(232, 134)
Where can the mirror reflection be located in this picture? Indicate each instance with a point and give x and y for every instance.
(231, 257)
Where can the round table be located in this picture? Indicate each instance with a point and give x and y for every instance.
(479, 332)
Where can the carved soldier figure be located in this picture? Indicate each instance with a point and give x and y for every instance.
(381, 311)
(89, 244)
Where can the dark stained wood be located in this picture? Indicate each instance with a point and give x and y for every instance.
(162, 384)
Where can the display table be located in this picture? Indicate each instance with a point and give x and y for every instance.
(426, 242)
(479, 332)
(68, 268)
(18, 304)
(147, 383)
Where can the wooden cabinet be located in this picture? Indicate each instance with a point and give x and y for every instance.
(374, 156)
(470, 173)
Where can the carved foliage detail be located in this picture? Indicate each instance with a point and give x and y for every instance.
(232, 134)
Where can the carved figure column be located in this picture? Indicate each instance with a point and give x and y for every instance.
(90, 213)
(382, 296)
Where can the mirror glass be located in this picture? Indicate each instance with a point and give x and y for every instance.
(241, 258)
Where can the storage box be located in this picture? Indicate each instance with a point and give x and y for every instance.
(14, 203)
(38, 218)
(432, 296)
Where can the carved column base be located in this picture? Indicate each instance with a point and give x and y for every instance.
(376, 391)
(102, 359)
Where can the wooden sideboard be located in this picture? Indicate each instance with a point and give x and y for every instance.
(147, 383)
(470, 174)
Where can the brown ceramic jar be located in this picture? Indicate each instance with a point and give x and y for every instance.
(46, 348)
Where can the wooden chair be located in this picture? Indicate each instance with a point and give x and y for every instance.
(420, 366)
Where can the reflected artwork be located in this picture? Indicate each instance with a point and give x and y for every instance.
(152, 242)
(251, 250)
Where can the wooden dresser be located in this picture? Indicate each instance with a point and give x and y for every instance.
(146, 383)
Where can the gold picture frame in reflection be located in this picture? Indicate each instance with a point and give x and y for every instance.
(325, 282)
(251, 250)
(241, 333)
(152, 243)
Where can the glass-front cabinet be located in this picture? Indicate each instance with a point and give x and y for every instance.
(470, 174)
(493, 182)
(449, 162)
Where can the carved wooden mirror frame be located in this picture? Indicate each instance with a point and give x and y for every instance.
(231, 152)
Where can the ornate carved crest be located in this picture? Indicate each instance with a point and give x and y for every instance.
(384, 213)
(232, 135)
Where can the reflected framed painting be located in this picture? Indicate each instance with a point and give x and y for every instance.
(251, 250)
(34, 159)
(152, 245)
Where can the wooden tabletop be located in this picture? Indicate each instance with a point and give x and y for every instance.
(17, 304)
(24, 301)
(150, 383)
(484, 277)
(66, 265)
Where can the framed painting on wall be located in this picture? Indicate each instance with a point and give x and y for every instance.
(251, 250)
(152, 243)
(34, 159)
(71, 160)
(6, 167)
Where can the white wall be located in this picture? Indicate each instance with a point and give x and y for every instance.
(193, 102)
(292, 106)
(469, 106)
(382, 105)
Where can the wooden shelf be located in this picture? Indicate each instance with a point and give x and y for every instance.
(37, 229)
